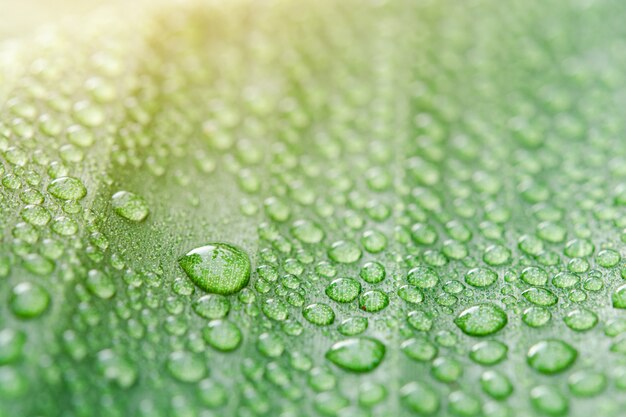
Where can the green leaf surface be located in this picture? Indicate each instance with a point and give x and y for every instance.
(315, 208)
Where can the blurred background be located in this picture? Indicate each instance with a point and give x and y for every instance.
(23, 16)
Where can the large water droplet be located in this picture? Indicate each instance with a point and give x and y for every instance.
(217, 268)
(551, 356)
(357, 355)
(28, 300)
(67, 188)
(481, 320)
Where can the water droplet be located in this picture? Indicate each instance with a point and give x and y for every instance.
(540, 296)
(548, 400)
(420, 398)
(344, 252)
(330, 403)
(186, 366)
(12, 383)
(422, 277)
(581, 319)
(307, 232)
(11, 345)
(212, 306)
(321, 379)
(373, 272)
(100, 284)
(565, 280)
(410, 294)
(115, 367)
(371, 394)
(353, 326)
(496, 255)
(217, 268)
(275, 309)
(80, 136)
(481, 320)
(419, 349)
(481, 277)
(130, 206)
(551, 356)
(36, 215)
(587, 383)
(530, 245)
(357, 355)
(454, 250)
(423, 234)
(270, 345)
(67, 188)
(28, 300)
(373, 241)
(463, 404)
(64, 226)
(420, 320)
(489, 352)
(212, 394)
(38, 265)
(619, 297)
(446, 369)
(534, 276)
(608, 258)
(222, 335)
(536, 316)
(373, 301)
(343, 290)
(578, 248)
(277, 209)
(319, 314)
(496, 384)
(551, 232)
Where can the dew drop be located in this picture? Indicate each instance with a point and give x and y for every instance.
(357, 355)
(581, 319)
(373, 301)
(67, 188)
(481, 320)
(420, 398)
(186, 366)
(343, 290)
(319, 314)
(212, 306)
(344, 252)
(422, 277)
(419, 349)
(222, 335)
(481, 277)
(540, 296)
(28, 300)
(217, 268)
(551, 356)
(534, 276)
(129, 206)
(548, 400)
(489, 352)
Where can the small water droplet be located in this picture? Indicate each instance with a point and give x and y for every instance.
(130, 206)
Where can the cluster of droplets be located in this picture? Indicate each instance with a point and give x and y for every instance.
(354, 211)
(58, 274)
